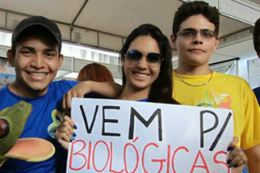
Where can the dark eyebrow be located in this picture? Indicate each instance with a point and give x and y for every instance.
(189, 29)
(27, 47)
(33, 49)
(205, 29)
(50, 50)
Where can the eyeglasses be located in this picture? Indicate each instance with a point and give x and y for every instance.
(153, 59)
(190, 33)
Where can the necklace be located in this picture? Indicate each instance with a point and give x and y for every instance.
(199, 85)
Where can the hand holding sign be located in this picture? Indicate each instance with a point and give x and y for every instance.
(65, 132)
(236, 158)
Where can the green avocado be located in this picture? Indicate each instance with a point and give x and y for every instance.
(12, 121)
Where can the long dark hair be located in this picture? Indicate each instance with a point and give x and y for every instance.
(161, 90)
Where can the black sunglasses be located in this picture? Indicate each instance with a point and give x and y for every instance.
(151, 58)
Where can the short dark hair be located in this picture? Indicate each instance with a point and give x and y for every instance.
(256, 35)
(189, 9)
(161, 90)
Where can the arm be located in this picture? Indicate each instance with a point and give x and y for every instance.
(253, 155)
(108, 89)
(251, 135)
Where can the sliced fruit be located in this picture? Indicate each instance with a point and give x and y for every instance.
(31, 150)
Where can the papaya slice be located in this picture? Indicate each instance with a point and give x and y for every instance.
(31, 150)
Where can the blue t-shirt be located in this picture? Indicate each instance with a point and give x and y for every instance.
(257, 94)
(36, 126)
(143, 100)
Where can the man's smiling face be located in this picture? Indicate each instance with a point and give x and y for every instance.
(36, 63)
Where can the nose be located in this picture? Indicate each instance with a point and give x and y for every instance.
(37, 61)
(142, 63)
(198, 38)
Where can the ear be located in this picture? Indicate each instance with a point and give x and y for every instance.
(173, 40)
(10, 56)
(216, 44)
(60, 60)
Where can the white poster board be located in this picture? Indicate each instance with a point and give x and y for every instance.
(128, 136)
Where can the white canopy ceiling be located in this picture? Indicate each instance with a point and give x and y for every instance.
(106, 23)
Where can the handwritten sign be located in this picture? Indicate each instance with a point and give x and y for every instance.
(127, 136)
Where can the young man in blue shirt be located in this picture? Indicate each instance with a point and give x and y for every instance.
(35, 55)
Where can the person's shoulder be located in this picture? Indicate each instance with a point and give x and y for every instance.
(64, 82)
(7, 98)
(231, 77)
(3, 91)
(62, 86)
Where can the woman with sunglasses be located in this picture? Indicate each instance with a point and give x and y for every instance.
(146, 66)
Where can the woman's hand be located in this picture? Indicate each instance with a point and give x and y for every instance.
(236, 159)
(65, 132)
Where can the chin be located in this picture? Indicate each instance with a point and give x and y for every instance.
(140, 87)
(39, 88)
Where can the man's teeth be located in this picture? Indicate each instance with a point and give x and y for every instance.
(38, 74)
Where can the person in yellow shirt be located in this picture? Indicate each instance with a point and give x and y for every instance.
(195, 37)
